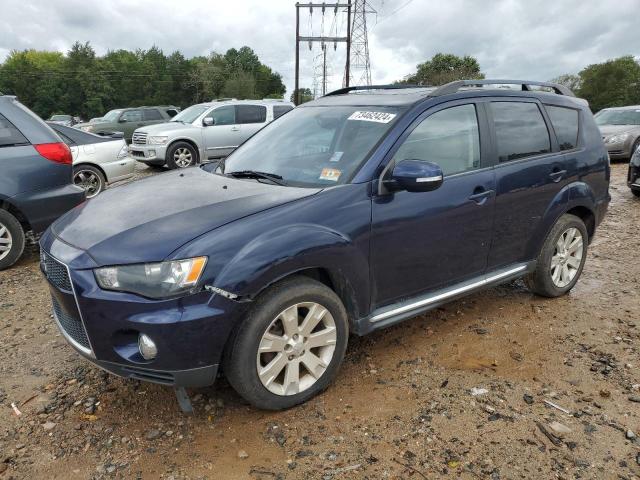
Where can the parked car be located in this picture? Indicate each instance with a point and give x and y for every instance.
(204, 131)
(97, 161)
(633, 179)
(620, 129)
(347, 215)
(67, 120)
(35, 184)
(126, 120)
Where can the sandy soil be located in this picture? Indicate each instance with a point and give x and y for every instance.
(402, 406)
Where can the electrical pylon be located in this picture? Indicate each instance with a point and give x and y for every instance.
(360, 66)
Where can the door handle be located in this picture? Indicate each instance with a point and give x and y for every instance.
(557, 175)
(480, 195)
(235, 129)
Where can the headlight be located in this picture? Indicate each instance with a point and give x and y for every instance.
(157, 140)
(123, 153)
(619, 138)
(153, 280)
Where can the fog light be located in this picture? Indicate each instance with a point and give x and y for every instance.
(147, 348)
(152, 153)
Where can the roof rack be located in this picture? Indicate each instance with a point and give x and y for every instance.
(398, 86)
(453, 87)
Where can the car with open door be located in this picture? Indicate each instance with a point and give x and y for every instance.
(349, 214)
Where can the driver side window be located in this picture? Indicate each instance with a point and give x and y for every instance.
(449, 138)
(223, 115)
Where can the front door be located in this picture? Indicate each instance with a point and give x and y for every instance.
(424, 241)
(221, 138)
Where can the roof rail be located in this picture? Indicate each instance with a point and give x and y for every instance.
(395, 86)
(453, 87)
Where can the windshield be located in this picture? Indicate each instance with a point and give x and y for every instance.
(58, 118)
(190, 114)
(315, 146)
(111, 116)
(618, 117)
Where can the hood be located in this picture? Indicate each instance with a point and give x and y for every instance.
(146, 220)
(166, 127)
(608, 130)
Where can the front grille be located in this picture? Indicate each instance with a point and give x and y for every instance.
(137, 153)
(139, 138)
(55, 271)
(72, 326)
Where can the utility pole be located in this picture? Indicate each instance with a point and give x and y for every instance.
(323, 40)
(359, 46)
(324, 69)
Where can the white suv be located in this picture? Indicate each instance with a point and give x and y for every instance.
(203, 132)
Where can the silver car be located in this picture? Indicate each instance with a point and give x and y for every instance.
(620, 128)
(204, 132)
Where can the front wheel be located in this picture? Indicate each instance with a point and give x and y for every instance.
(636, 191)
(561, 259)
(181, 155)
(290, 346)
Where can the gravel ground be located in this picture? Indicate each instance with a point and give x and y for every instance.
(465, 391)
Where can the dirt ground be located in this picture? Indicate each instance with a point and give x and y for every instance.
(457, 393)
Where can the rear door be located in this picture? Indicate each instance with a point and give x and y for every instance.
(151, 116)
(221, 138)
(530, 172)
(250, 119)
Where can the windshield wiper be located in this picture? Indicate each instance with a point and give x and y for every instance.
(277, 179)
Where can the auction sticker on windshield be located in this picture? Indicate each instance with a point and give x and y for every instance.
(330, 174)
(379, 117)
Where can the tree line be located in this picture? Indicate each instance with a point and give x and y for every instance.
(87, 85)
(614, 83)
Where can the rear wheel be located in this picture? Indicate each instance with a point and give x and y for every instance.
(89, 178)
(291, 345)
(181, 155)
(636, 191)
(11, 239)
(561, 259)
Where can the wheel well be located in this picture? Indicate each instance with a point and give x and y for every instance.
(13, 210)
(336, 283)
(94, 165)
(185, 140)
(587, 217)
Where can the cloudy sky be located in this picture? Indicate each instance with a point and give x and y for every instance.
(510, 38)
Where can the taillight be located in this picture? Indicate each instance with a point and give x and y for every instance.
(56, 152)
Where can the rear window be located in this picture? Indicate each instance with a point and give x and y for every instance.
(10, 135)
(520, 130)
(565, 124)
(279, 110)
(152, 114)
(251, 114)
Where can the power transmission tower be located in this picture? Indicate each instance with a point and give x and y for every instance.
(360, 71)
(323, 39)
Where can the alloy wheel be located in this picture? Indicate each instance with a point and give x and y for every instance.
(296, 349)
(89, 181)
(567, 257)
(6, 242)
(182, 157)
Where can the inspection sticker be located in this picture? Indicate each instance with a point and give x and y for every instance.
(330, 174)
(379, 117)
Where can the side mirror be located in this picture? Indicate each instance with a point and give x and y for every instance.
(208, 121)
(415, 176)
(122, 120)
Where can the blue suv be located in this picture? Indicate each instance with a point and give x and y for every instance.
(348, 214)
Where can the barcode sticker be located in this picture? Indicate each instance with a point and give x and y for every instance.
(378, 117)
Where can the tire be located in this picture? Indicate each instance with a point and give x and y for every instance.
(90, 178)
(181, 155)
(542, 281)
(11, 236)
(634, 147)
(242, 361)
(636, 192)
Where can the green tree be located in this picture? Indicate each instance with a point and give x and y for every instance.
(305, 96)
(613, 83)
(444, 68)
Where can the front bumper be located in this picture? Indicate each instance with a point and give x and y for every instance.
(190, 332)
(633, 176)
(620, 151)
(151, 154)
